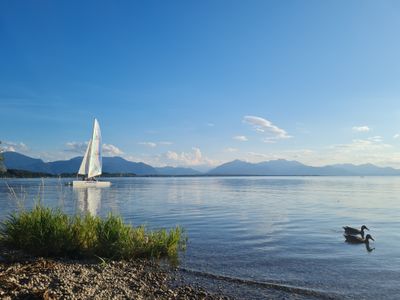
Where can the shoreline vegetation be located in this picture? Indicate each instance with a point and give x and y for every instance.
(49, 232)
(47, 254)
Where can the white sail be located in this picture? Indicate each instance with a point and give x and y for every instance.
(91, 164)
(94, 157)
(84, 168)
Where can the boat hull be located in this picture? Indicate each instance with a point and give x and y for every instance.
(87, 184)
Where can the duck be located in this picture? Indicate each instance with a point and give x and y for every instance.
(358, 240)
(352, 231)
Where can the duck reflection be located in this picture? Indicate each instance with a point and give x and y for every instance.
(368, 247)
(88, 200)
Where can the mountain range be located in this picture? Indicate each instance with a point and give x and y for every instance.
(282, 167)
(17, 161)
(119, 165)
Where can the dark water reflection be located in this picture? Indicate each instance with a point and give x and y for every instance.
(284, 230)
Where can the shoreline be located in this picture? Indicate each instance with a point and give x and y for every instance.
(23, 276)
(113, 176)
(27, 277)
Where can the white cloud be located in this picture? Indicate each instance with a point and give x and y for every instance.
(14, 146)
(229, 149)
(262, 125)
(396, 136)
(76, 147)
(210, 124)
(361, 128)
(111, 150)
(148, 144)
(193, 158)
(80, 148)
(240, 138)
(362, 145)
(258, 156)
(171, 155)
(359, 151)
(155, 144)
(376, 138)
(269, 140)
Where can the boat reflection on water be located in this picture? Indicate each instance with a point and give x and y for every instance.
(88, 200)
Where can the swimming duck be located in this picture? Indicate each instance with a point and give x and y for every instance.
(357, 240)
(351, 230)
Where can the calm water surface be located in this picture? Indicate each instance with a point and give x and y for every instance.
(281, 230)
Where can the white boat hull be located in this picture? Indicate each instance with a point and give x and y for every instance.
(88, 184)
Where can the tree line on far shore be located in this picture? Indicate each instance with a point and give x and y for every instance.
(3, 168)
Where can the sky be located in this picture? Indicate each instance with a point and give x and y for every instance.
(200, 83)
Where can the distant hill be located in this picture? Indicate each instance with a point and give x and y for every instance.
(17, 161)
(111, 165)
(273, 167)
(119, 165)
(176, 171)
(367, 170)
(285, 167)
(64, 166)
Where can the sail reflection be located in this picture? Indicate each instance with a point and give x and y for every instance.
(88, 200)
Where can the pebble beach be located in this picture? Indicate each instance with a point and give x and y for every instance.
(23, 277)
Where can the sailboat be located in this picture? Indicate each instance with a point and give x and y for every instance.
(92, 162)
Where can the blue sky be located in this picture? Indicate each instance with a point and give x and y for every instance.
(198, 83)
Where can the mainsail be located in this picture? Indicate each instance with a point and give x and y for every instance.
(92, 162)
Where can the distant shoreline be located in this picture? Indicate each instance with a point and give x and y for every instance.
(119, 167)
(15, 174)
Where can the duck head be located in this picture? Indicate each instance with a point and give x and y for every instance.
(364, 227)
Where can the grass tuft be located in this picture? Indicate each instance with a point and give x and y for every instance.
(45, 231)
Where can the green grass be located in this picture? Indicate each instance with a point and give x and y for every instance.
(44, 231)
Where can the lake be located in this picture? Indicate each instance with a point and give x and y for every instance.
(255, 236)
